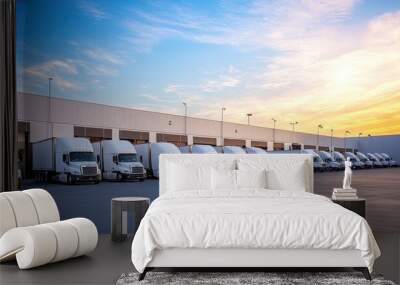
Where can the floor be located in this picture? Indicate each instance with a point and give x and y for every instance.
(381, 187)
(103, 266)
(110, 259)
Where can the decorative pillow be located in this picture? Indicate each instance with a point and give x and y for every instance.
(251, 178)
(223, 179)
(292, 178)
(185, 178)
(282, 173)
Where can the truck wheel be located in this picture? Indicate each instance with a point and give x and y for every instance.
(69, 179)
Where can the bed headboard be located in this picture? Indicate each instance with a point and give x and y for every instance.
(284, 161)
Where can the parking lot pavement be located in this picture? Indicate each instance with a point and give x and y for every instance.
(93, 201)
(381, 188)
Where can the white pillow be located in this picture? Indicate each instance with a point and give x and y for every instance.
(251, 178)
(282, 173)
(292, 179)
(185, 178)
(223, 179)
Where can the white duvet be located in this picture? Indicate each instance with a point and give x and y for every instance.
(251, 219)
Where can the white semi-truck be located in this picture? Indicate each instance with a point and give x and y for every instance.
(255, 150)
(149, 153)
(233, 149)
(118, 160)
(197, 148)
(68, 160)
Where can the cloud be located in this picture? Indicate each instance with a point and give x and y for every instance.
(58, 70)
(259, 24)
(227, 80)
(172, 88)
(93, 10)
(103, 55)
(338, 75)
(144, 36)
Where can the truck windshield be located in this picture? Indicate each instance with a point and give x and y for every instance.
(127, 157)
(78, 156)
(317, 158)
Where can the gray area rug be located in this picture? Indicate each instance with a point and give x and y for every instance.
(273, 278)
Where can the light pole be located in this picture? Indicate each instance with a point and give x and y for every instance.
(273, 131)
(358, 141)
(319, 127)
(185, 106)
(222, 125)
(248, 118)
(331, 140)
(293, 124)
(50, 127)
(345, 134)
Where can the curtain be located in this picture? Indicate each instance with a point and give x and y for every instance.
(8, 108)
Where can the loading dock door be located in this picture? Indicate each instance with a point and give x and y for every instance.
(296, 146)
(279, 146)
(324, 148)
(204, 140)
(260, 144)
(93, 134)
(177, 140)
(134, 136)
(234, 142)
(308, 146)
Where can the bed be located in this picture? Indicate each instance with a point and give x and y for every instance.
(245, 211)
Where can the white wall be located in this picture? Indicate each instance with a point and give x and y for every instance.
(68, 113)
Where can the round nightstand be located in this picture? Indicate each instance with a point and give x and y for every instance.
(119, 214)
(358, 206)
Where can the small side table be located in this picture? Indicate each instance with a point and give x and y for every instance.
(119, 215)
(358, 206)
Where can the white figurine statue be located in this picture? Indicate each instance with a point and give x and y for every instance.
(347, 174)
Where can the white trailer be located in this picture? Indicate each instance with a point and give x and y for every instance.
(149, 153)
(68, 160)
(203, 148)
(234, 149)
(185, 149)
(219, 149)
(118, 160)
(255, 150)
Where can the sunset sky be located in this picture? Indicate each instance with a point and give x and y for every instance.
(335, 63)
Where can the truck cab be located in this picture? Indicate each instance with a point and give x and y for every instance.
(118, 160)
(374, 160)
(356, 162)
(330, 163)
(318, 163)
(339, 158)
(75, 161)
(383, 161)
(392, 163)
(364, 159)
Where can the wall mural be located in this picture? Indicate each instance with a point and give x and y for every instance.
(335, 62)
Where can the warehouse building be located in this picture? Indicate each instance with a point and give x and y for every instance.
(40, 117)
